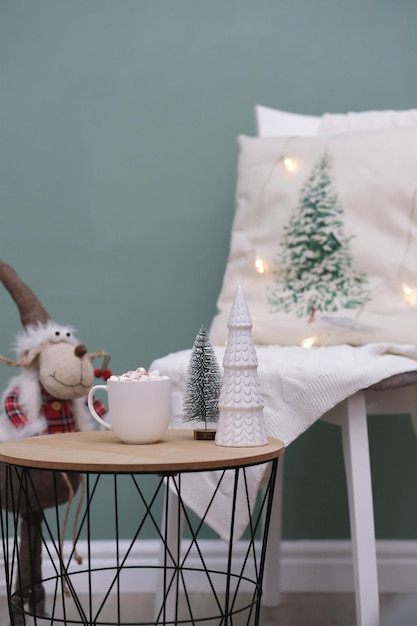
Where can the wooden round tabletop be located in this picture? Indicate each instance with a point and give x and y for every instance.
(100, 451)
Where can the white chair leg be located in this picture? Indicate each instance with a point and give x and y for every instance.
(359, 485)
(271, 589)
(172, 529)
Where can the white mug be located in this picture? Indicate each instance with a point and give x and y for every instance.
(139, 411)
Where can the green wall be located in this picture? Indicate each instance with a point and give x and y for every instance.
(118, 125)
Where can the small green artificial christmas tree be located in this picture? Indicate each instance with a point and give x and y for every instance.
(204, 381)
(315, 270)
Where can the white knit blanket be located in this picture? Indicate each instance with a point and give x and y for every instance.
(298, 386)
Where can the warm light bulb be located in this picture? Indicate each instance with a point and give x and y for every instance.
(290, 165)
(308, 342)
(260, 266)
(409, 294)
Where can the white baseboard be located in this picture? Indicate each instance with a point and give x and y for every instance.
(307, 566)
(326, 566)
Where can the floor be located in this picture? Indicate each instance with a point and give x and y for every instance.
(296, 609)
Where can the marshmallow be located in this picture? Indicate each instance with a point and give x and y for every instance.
(139, 375)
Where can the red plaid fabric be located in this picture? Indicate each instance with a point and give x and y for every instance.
(13, 412)
(58, 413)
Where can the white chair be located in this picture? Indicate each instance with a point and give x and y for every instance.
(351, 417)
(396, 395)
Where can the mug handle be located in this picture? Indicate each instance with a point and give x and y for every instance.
(91, 405)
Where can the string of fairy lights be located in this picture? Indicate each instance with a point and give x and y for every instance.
(290, 165)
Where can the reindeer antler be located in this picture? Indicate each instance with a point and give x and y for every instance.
(100, 353)
(19, 363)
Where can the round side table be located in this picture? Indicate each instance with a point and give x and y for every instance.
(118, 473)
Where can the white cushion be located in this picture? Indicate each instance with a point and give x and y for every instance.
(275, 123)
(368, 293)
(366, 120)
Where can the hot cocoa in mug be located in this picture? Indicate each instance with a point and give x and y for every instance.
(139, 406)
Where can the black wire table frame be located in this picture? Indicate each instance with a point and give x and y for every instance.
(74, 597)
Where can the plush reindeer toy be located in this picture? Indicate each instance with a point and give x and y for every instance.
(46, 397)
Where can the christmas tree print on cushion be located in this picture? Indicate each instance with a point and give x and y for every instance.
(324, 239)
(315, 268)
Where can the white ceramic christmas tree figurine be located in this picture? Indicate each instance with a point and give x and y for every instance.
(241, 422)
